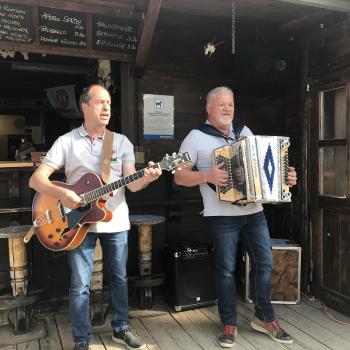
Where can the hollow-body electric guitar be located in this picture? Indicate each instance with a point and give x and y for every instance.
(60, 228)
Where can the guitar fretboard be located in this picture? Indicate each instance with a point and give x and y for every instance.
(168, 163)
(109, 188)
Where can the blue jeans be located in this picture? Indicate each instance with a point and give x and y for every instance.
(226, 231)
(80, 260)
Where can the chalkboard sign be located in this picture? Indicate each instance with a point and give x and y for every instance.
(114, 34)
(16, 23)
(62, 28)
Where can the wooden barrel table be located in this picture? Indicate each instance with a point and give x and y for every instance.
(20, 303)
(146, 280)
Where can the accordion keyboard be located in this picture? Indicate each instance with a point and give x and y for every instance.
(233, 164)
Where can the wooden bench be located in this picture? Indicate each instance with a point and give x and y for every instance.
(15, 210)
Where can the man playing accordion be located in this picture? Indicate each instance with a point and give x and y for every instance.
(230, 222)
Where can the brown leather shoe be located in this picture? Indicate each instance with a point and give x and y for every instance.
(272, 329)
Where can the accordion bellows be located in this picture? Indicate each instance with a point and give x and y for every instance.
(257, 168)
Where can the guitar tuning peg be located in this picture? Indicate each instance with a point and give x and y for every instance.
(174, 154)
(166, 155)
(179, 168)
(173, 172)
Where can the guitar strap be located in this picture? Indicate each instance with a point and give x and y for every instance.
(106, 155)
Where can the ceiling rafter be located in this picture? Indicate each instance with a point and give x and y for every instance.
(335, 5)
(301, 22)
(147, 32)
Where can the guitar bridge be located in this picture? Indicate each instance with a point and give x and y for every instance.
(61, 210)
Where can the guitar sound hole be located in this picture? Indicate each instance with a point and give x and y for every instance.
(65, 231)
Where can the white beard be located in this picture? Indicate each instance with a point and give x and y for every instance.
(226, 120)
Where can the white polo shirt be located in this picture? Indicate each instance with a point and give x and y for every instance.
(78, 154)
(200, 147)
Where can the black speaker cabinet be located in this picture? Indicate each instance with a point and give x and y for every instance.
(189, 275)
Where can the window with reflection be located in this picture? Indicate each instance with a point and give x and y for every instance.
(333, 146)
(333, 170)
(333, 114)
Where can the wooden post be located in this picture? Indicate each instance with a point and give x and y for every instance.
(145, 249)
(96, 287)
(18, 266)
(128, 105)
(97, 274)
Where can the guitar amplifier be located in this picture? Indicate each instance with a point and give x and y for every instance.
(285, 279)
(189, 275)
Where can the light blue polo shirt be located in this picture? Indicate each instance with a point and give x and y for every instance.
(78, 154)
(200, 147)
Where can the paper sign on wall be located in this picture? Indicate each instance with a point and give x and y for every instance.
(158, 117)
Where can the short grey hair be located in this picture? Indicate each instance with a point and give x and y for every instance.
(217, 90)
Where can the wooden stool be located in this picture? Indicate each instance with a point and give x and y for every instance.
(146, 280)
(19, 277)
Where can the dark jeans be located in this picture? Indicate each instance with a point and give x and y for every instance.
(226, 231)
(80, 260)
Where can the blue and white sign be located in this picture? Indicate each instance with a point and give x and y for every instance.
(158, 117)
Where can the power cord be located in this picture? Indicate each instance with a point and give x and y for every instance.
(325, 309)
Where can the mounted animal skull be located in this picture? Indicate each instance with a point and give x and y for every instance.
(105, 73)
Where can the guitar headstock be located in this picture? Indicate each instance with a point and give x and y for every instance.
(170, 162)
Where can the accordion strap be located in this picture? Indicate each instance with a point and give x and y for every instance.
(211, 130)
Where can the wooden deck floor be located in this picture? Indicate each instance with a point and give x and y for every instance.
(195, 329)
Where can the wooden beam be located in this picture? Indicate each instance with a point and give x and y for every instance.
(303, 21)
(63, 51)
(49, 68)
(128, 102)
(147, 32)
(77, 4)
(335, 5)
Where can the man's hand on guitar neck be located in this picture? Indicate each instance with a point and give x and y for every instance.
(150, 174)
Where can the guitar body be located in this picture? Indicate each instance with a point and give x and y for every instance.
(59, 228)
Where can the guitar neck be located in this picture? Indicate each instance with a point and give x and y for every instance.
(98, 193)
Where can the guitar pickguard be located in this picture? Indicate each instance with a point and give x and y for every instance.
(74, 216)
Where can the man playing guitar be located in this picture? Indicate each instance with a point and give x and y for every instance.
(80, 152)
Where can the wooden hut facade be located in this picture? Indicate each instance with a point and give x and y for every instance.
(287, 61)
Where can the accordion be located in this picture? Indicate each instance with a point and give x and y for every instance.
(257, 168)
